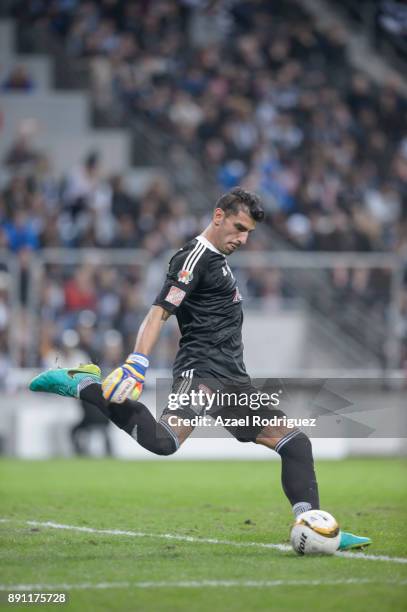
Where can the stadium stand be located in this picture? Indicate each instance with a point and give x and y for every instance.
(280, 110)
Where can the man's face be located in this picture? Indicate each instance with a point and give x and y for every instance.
(232, 230)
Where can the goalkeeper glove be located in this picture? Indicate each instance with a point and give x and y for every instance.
(127, 381)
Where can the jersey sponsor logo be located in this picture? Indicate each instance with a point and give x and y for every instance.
(175, 296)
(237, 295)
(185, 276)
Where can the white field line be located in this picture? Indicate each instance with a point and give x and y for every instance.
(195, 584)
(165, 536)
(192, 539)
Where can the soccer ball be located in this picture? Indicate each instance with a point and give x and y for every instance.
(315, 532)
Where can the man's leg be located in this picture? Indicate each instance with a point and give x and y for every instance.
(298, 475)
(134, 418)
(75, 438)
(297, 465)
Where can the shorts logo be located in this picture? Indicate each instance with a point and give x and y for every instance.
(184, 276)
(175, 296)
(205, 389)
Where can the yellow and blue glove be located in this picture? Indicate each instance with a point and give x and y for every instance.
(127, 381)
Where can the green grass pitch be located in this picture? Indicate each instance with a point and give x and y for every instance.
(233, 501)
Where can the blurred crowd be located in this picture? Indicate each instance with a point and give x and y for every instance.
(257, 93)
(85, 208)
(263, 98)
(98, 306)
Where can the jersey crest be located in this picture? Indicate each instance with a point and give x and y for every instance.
(185, 276)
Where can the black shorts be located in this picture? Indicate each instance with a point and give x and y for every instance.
(236, 408)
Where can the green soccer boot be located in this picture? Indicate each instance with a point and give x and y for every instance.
(66, 381)
(349, 541)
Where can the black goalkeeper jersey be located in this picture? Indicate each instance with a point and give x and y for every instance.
(202, 292)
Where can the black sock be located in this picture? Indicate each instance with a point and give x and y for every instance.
(297, 472)
(136, 420)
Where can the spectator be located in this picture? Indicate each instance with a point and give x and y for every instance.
(271, 103)
(18, 79)
(21, 232)
(80, 292)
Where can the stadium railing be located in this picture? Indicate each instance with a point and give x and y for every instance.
(296, 268)
(10, 270)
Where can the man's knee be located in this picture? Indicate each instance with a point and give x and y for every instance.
(167, 442)
(277, 439)
(296, 445)
(164, 447)
(164, 442)
(179, 431)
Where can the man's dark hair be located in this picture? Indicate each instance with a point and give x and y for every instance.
(238, 199)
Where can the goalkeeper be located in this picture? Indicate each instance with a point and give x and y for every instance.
(201, 291)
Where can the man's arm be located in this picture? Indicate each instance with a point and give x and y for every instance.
(150, 329)
(184, 273)
(127, 381)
